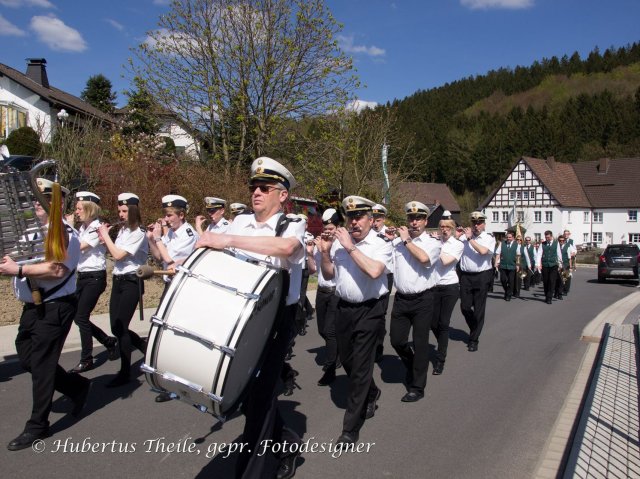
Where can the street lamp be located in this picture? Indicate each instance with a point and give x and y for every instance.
(63, 116)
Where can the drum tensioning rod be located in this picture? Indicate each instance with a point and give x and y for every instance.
(163, 324)
(229, 289)
(177, 379)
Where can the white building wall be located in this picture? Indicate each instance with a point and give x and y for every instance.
(38, 111)
(181, 138)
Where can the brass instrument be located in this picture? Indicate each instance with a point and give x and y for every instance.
(565, 274)
(523, 273)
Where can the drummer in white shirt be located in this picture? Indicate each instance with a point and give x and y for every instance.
(414, 255)
(174, 246)
(215, 209)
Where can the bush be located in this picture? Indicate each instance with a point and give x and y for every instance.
(23, 141)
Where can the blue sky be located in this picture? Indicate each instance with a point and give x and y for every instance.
(398, 46)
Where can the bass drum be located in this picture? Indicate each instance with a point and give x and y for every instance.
(211, 327)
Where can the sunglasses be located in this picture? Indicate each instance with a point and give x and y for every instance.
(263, 188)
(212, 210)
(477, 222)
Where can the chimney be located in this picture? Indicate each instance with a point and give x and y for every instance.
(37, 71)
(603, 166)
(551, 162)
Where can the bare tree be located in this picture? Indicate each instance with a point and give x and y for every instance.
(237, 70)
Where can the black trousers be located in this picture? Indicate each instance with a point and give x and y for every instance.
(508, 279)
(304, 306)
(326, 309)
(527, 282)
(263, 420)
(88, 290)
(413, 311)
(385, 299)
(444, 300)
(39, 342)
(358, 327)
(549, 279)
(474, 288)
(125, 294)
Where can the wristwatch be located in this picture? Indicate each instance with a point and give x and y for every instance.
(408, 240)
(352, 249)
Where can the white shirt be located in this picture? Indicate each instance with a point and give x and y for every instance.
(246, 225)
(539, 254)
(447, 274)
(134, 243)
(220, 227)
(410, 276)
(322, 283)
(92, 258)
(23, 291)
(179, 244)
(352, 284)
(472, 261)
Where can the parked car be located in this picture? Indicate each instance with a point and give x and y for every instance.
(19, 162)
(619, 261)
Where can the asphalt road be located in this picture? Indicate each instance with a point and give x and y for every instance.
(487, 416)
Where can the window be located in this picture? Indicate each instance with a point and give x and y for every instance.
(537, 236)
(520, 216)
(495, 216)
(548, 216)
(521, 174)
(11, 118)
(585, 217)
(597, 237)
(597, 217)
(632, 215)
(512, 195)
(568, 216)
(532, 195)
(525, 195)
(505, 216)
(634, 237)
(585, 237)
(537, 216)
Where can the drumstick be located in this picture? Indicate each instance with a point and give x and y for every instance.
(146, 272)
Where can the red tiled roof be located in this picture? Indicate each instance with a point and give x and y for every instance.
(561, 181)
(429, 194)
(611, 183)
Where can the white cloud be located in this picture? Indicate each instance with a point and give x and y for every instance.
(114, 24)
(8, 29)
(58, 36)
(27, 3)
(359, 105)
(487, 4)
(346, 44)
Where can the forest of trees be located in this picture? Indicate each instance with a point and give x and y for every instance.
(470, 147)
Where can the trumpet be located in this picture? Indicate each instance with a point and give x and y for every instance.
(565, 274)
(523, 273)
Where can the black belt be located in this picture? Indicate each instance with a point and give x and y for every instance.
(326, 289)
(410, 295)
(125, 277)
(444, 287)
(68, 299)
(368, 302)
(92, 274)
(476, 272)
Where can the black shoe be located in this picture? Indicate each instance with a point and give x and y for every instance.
(83, 366)
(473, 346)
(370, 409)
(347, 438)
(290, 382)
(507, 298)
(164, 397)
(549, 301)
(379, 353)
(25, 440)
(113, 352)
(560, 297)
(80, 398)
(438, 367)
(287, 468)
(328, 377)
(412, 396)
(118, 380)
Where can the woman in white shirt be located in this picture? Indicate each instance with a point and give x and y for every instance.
(446, 291)
(129, 251)
(92, 280)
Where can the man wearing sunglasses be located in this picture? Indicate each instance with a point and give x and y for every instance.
(215, 210)
(359, 260)
(476, 274)
(261, 235)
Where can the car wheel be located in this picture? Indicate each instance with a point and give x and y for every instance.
(601, 279)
